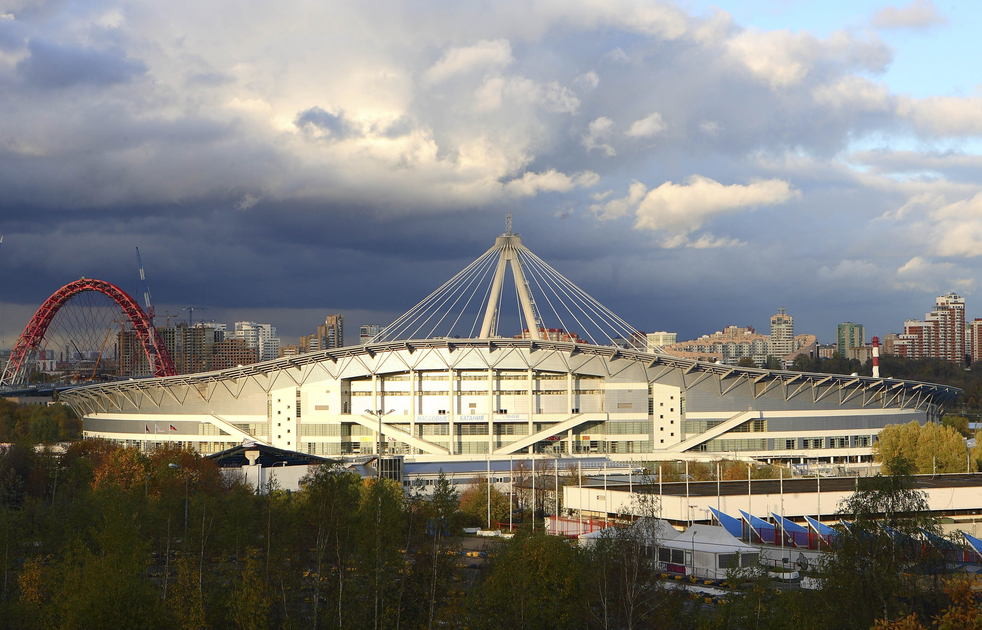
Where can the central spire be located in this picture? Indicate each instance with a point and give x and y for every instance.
(508, 246)
(475, 304)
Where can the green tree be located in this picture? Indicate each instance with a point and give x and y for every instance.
(444, 514)
(328, 521)
(533, 582)
(929, 448)
(623, 590)
(474, 504)
(877, 568)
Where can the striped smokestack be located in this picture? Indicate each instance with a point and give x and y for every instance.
(876, 357)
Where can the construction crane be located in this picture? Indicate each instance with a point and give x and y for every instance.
(147, 298)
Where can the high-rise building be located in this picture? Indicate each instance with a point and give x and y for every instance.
(260, 337)
(782, 334)
(941, 335)
(369, 332)
(661, 339)
(850, 335)
(976, 340)
(233, 352)
(332, 332)
(950, 310)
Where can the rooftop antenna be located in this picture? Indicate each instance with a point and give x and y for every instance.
(508, 224)
(147, 299)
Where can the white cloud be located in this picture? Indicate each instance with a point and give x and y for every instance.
(850, 270)
(943, 116)
(617, 55)
(587, 81)
(922, 274)
(709, 127)
(531, 184)
(650, 125)
(918, 14)
(957, 228)
(598, 134)
(784, 59)
(854, 92)
(247, 201)
(617, 208)
(484, 55)
(705, 241)
(684, 208)
(550, 96)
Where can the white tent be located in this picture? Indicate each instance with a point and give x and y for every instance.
(706, 551)
(654, 531)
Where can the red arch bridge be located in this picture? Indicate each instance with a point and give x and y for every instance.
(31, 345)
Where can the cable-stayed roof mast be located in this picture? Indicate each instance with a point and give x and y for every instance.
(469, 305)
(508, 245)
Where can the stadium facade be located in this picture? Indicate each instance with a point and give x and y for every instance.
(441, 390)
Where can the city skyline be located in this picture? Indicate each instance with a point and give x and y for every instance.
(828, 157)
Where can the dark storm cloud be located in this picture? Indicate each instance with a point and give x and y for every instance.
(51, 65)
(202, 141)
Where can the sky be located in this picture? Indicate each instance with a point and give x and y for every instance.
(691, 165)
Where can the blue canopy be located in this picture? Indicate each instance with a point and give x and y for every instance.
(797, 533)
(941, 543)
(974, 543)
(789, 526)
(759, 525)
(822, 529)
(732, 525)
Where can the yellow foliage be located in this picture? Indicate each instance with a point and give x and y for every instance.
(929, 448)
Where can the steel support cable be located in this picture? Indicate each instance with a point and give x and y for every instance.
(584, 330)
(449, 287)
(401, 321)
(474, 277)
(533, 271)
(437, 308)
(410, 315)
(586, 306)
(611, 319)
(420, 310)
(463, 309)
(573, 300)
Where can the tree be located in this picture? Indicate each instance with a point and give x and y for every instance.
(746, 362)
(328, 521)
(444, 514)
(929, 448)
(474, 503)
(624, 589)
(532, 582)
(878, 568)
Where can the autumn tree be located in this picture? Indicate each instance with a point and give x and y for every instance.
(930, 448)
(474, 503)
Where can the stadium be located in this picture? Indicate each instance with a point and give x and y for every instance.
(442, 382)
